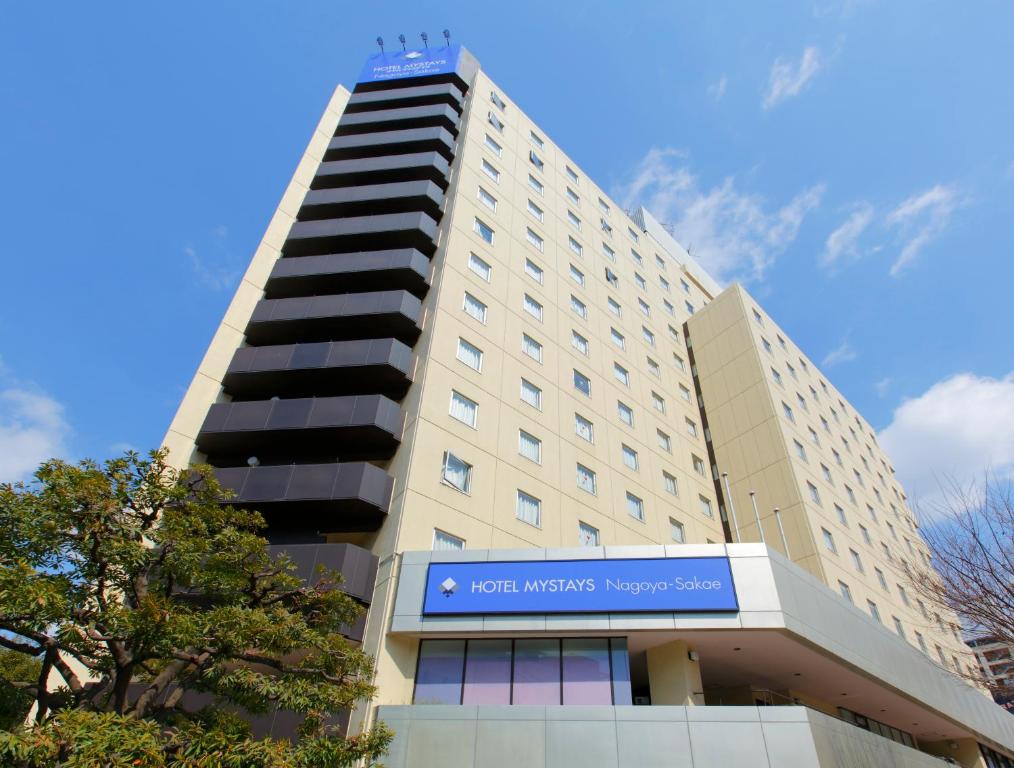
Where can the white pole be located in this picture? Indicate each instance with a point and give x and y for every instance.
(732, 509)
(756, 514)
(785, 542)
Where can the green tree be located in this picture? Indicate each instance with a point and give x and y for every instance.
(129, 591)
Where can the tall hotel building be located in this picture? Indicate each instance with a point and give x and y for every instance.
(546, 449)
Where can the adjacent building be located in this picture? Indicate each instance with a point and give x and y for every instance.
(540, 431)
(995, 661)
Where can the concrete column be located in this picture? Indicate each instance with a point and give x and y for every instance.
(672, 677)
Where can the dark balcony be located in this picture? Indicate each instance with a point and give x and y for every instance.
(372, 200)
(405, 142)
(325, 497)
(378, 314)
(324, 369)
(406, 269)
(362, 233)
(438, 93)
(357, 566)
(418, 166)
(379, 120)
(311, 428)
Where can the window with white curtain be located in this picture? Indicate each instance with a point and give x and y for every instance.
(457, 472)
(625, 412)
(469, 354)
(530, 446)
(533, 307)
(586, 479)
(629, 456)
(635, 506)
(484, 230)
(677, 531)
(474, 308)
(583, 428)
(529, 509)
(578, 307)
(531, 394)
(443, 542)
(464, 409)
(531, 347)
(579, 342)
(480, 267)
(534, 271)
(587, 535)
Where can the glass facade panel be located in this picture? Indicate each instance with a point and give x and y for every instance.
(536, 671)
(620, 671)
(586, 678)
(488, 672)
(439, 675)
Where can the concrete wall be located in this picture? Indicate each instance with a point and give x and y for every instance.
(635, 737)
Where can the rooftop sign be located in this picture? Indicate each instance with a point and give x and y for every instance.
(580, 586)
(399, 64)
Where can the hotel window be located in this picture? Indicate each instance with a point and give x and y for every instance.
(480, 267)
(469, 354)
(496, 122)
(678, 362)
(685, 393)
(536, 139)
(845, 591)
(614, 306)
(574, 220)
(787, 365)
(664, 441)
(825, 425)
(493, 145)
(829, 540)
(537, 185)
(464, 409)
(903, 595)
(617, 338)
(898, 626)
(826, 473)
(649, 337)
(643, 306)
(691, 428)
(658, 402)
(887, 552)
(582, 383)
(698, 463)
(487, 199)
(677, 532)
(841, 515)
(806, 368)
(584, 428)
(611, 278)
(586, 479)
(530, 446)
(531, 394)
(800, 450)
(536, 211)
(604, 206)
(578, 307)
(814, 493)
(625, 412)
(767, 347)
(570, 174)
(529, 509)
(576, 275)
(757, 317)
(622, 374)
(606, 227)
(776, 376)
(490, 170)
(640, 282)
(856, 560)
(653, 368)
(474, 307)
(685, 286)
(579, 342)
(859, 478)
(456, 472)
(536, 160)
(533, 307)
(572, 196)
(689, 306)
(484, 230)
(668, 307)
(633, 235)
(781, 343)
(787, 410)
(443, 542)
(531, 347)
(629, 456)
(534, 271)
(608, 252)
(587, 535)
(874, 611)
(881, 579)
(851, 494)
(813, 436)
(705, 506)
(669, 483)
(635, 506)
(837, 457)
(866, 535)
(575, 246)
(497, 101)
(802, 402)
(535, 239)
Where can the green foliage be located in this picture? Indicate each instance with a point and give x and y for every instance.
(16, 670)
(132, 587)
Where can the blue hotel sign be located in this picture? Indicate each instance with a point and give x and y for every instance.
(399, 64)
(580, 586)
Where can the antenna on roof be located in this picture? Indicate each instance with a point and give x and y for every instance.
(401, 39)
(380, 42)
(447, 36)
(425, 39)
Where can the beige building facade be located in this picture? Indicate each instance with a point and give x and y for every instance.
(452, 346)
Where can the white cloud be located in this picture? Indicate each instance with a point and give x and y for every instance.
(32, 429)
(732, 234)
(953, 432)
(717, 89)
(843, 244)
(882, 386)
(788, 79)
(920, 219)
(215, 277)
(843, 353)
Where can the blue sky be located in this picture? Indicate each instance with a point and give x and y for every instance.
(851, 161)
